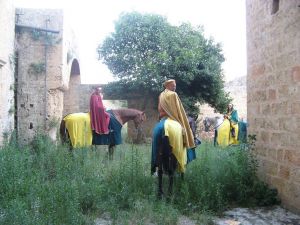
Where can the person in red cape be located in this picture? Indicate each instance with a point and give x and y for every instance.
(99, 118)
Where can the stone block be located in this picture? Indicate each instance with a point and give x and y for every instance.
(265, 137)
(257, 71)
(295, 174)
(296, 74)
(272, 94)
(280, 108)
(275, 138)
(284, 172)
(261, 151)
(288, 124)
(270, 167)
(265, 109)
(272, 154)
(283, 91)
(293, 191)
(292, 157)
(280, 155)
(294, 138)
(260, 95)
(295, 108)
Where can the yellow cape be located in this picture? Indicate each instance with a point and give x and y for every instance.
(173, 130)
(224, 137)
(172, 105)
(79, 129)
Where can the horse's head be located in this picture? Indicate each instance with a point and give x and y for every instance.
(212, 122)
(207, 124)
(139, 119)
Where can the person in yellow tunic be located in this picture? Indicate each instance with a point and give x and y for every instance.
(228, 132)
(170, 103)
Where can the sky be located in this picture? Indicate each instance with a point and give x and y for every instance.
(92, 20)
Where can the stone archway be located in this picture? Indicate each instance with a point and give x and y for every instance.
(71, 96)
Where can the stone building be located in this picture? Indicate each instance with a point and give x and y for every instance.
(40, 72)
(47, 71)
(7, 60)
(273, 87)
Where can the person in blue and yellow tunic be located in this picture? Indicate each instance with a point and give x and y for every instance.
(228, 133)
(174, 125)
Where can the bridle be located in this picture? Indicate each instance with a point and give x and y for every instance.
(209, 127)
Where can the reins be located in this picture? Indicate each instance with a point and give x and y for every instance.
(214, 128)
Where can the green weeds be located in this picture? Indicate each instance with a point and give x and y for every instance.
(45, 183)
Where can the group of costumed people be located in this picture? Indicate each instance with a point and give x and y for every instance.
(173, 123)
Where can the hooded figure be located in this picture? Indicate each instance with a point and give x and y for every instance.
(99, 118)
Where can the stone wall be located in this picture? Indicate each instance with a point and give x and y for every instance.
(39, 100)
(273, 40)
(7, 60)
(46, 65)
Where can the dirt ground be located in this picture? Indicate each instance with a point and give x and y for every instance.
(260, 216)
(242, 216)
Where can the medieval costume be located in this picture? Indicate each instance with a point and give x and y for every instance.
(172, 134)
(99, 117)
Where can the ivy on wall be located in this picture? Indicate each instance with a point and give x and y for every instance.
(49, 38)
(37, 68)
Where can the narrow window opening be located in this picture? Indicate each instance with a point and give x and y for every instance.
(30, 125)
(275, 6)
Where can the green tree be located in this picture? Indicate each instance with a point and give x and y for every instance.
(145, 50)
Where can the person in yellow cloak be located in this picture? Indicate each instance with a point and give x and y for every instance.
(170, 102)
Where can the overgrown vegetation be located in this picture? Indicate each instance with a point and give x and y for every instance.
(37, 68)
(46, 184)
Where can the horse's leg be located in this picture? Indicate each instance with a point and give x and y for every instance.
(215, 137)
(111, 149)
(172, 168)
(160, 174)
(171, 182)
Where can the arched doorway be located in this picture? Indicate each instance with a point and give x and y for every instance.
(72, 95)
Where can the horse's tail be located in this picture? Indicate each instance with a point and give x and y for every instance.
(63, 131)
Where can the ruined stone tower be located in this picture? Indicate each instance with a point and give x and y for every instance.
(273, 87)
(47, 72)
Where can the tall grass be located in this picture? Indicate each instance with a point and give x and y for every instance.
(45, 183)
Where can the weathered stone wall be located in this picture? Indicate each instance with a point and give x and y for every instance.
(7, 58)
(43, 71)
(273, 87)
(39, 71)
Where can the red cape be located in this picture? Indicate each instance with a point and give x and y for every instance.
(99, 118)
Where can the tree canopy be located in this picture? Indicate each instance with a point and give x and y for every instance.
(145, 50)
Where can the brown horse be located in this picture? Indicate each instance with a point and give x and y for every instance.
(118, 117)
